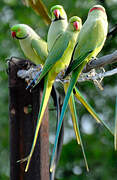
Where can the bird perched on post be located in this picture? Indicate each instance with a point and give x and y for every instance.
(90, 42)
(33, 46)
(58, 26)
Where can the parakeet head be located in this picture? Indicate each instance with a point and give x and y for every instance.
(97, 9)
(58, 13)
(20, 31)
(75, 23)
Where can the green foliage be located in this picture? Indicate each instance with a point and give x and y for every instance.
(97, 141)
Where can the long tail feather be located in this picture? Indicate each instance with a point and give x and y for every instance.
(75, 122)
(74, 64)
(55, 97)
(80, 97)
(73, 114)
(71, 86)
(33, 81)
(57, 103)
(58, 152)
(45, 98)
(79, 132)
(115, 136)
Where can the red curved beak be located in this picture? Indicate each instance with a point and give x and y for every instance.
(56, 13)
(13, 34)
(75, 24)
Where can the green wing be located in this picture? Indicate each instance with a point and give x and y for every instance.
(90, 37)
(76, 63)
(55, 55)
(40, 48)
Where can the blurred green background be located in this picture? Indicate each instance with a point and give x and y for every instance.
(97, 140)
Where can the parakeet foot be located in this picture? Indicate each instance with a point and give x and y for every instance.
(33, 82)
(28, 158)
(61, 75)
(23, 160)
(98, 81)
(93, 58)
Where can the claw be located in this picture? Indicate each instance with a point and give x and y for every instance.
(23, 160)
(28, 159)
(33, 82)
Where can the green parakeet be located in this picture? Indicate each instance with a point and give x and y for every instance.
(58, 25)
(90, 42)
(33, 46)
(57, 60)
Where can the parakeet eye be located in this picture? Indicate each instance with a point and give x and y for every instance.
(13, 34)
(56, 13)
(75, 24)
(96, 8)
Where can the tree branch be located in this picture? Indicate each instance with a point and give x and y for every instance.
(101, 62)
(89, 72)
(92, 76)
(98, 75)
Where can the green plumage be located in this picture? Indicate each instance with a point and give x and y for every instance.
(58, 26)
(90, 40)
(33, 46)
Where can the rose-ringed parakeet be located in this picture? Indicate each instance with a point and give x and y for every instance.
(57, 60)
(33, 46)
(58, 26)
(90, 42)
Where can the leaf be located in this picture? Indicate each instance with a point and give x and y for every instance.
(39, 7)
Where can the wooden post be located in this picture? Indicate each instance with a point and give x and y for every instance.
(23, 108)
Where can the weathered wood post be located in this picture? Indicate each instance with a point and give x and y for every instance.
(23, 108)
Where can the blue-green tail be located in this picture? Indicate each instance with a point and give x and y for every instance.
(81, 98)
(73, 81)
(73, 101)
